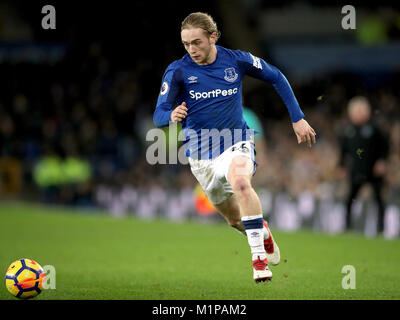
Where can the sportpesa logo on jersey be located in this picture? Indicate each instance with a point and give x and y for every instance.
(212, 94)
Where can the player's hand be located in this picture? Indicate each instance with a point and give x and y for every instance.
(341, 173)
(304, 132)
(179, 113)
(379, 168)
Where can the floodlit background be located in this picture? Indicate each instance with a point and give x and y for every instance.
(76, 104)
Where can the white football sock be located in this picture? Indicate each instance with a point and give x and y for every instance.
(255, 235)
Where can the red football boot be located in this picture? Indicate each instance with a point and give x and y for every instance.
(271, 248)
(261, 271)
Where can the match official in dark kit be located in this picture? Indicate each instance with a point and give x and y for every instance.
(364, 149)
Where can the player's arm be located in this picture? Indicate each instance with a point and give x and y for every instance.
(343, 151)
(258, 68)
(170, 90)
(382, 152)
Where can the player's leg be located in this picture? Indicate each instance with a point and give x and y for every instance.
(239, 176)
(230, 210)
(377, 187)
(354, 188)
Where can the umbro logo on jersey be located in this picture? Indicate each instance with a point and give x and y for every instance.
(192, 79)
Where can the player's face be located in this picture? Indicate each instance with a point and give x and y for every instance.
(359, 113)
(199, 45)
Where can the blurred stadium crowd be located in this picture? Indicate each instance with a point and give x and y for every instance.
(72, 129)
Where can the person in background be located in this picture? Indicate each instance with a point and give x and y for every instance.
(364, 150)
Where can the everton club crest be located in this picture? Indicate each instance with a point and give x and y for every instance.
(230, 74)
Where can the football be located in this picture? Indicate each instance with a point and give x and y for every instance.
(24, 278)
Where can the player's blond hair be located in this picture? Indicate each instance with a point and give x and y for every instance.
(203, 21)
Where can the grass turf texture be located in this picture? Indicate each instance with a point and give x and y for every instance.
(100, 257)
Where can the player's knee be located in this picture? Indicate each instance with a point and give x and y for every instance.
(241, 185)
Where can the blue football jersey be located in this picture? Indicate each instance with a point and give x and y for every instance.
(213, 96)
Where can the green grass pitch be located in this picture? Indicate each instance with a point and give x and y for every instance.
(100, 257)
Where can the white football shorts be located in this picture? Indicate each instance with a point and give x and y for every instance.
(212, 173)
